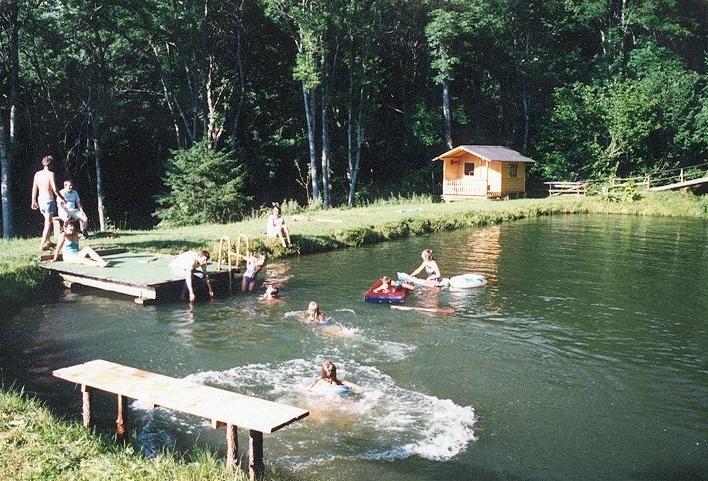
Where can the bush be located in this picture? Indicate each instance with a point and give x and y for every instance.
(205, 186)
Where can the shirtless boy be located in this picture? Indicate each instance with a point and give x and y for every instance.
(44, 193)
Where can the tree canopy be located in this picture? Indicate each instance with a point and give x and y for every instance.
(341, 100)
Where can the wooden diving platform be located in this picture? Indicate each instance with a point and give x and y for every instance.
(222, 407)
(145, 276)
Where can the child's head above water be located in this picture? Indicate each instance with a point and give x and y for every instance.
(328, 371)
(271, 291)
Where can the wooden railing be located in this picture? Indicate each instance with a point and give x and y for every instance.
(465, 188)
(567, 187)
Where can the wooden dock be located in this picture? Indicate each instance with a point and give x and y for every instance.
(224, 408)
(145, 276)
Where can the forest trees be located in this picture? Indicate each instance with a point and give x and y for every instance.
(347, 91)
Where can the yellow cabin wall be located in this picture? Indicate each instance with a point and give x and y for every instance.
(454, 170)
(513, 184)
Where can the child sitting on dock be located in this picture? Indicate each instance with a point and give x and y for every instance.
(328, 381)
(253, 267)
(68, 245)
(184, 266)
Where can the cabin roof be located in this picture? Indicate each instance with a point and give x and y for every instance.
(486, 152)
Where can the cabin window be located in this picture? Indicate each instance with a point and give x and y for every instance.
(513, 169)
(469, 168)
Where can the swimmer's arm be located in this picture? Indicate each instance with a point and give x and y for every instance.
(422, 266)
(60, 244)
(188, 280)
(313, 383)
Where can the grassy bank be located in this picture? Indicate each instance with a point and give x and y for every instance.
(336, 228)
(34, 445)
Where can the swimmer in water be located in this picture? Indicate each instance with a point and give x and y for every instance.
(328, 379)
(316, 318)
(271, 293)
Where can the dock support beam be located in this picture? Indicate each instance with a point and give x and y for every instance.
(122, 413)
(231, 447)
(86, 411)
(255, 455)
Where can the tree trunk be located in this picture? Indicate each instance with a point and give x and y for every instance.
(100, 197)
(446, 114)
(241, 81)
(5, 186)
(354, 169)
(310, 119)
(7, 150)
(325, 134)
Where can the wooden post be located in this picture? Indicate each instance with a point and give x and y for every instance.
(122, 413)
(87, 414)
(231, 447)
(255, 455)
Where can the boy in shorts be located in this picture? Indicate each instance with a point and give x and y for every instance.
(44, 193)
(71, 208)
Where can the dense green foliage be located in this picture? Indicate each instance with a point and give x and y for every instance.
(587, 88)
(205, 185)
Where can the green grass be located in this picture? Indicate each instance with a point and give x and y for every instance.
(34, 445)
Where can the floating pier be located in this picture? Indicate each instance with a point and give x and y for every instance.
(145, 276)
(224, 408)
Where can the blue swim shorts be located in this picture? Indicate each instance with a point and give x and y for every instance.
(47, 206)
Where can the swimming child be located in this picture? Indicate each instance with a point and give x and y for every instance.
(388, 286)
(253, 267)
(314, 315)
(328, 381)
(431, 269)
(271, 293)
(68, 245)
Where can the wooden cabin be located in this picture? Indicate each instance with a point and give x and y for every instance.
(483, 171)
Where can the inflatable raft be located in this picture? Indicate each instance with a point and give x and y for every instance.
(402, 276)
(466, 281)
(393, 296)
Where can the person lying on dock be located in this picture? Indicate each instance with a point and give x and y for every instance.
(434, 277)
(253, 267)
(388, 286)
(185, 265)
(68, 245)
(328, 381)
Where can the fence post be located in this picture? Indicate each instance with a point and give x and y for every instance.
(681, 176)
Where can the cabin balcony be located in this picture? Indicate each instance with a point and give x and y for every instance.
(463, 189)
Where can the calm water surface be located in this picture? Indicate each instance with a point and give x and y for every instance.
(584, 357)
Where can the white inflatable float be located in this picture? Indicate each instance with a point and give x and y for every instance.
(466, 281)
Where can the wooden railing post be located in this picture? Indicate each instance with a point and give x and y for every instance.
(231, 447)
(121, 415)
(255, 455)
(86, 408)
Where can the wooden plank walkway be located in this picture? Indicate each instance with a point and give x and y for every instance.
(680, 185)
(223, 408)
(143, 275)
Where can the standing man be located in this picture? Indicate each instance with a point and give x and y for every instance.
(44, 193)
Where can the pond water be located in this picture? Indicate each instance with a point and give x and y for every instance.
(583, 358)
